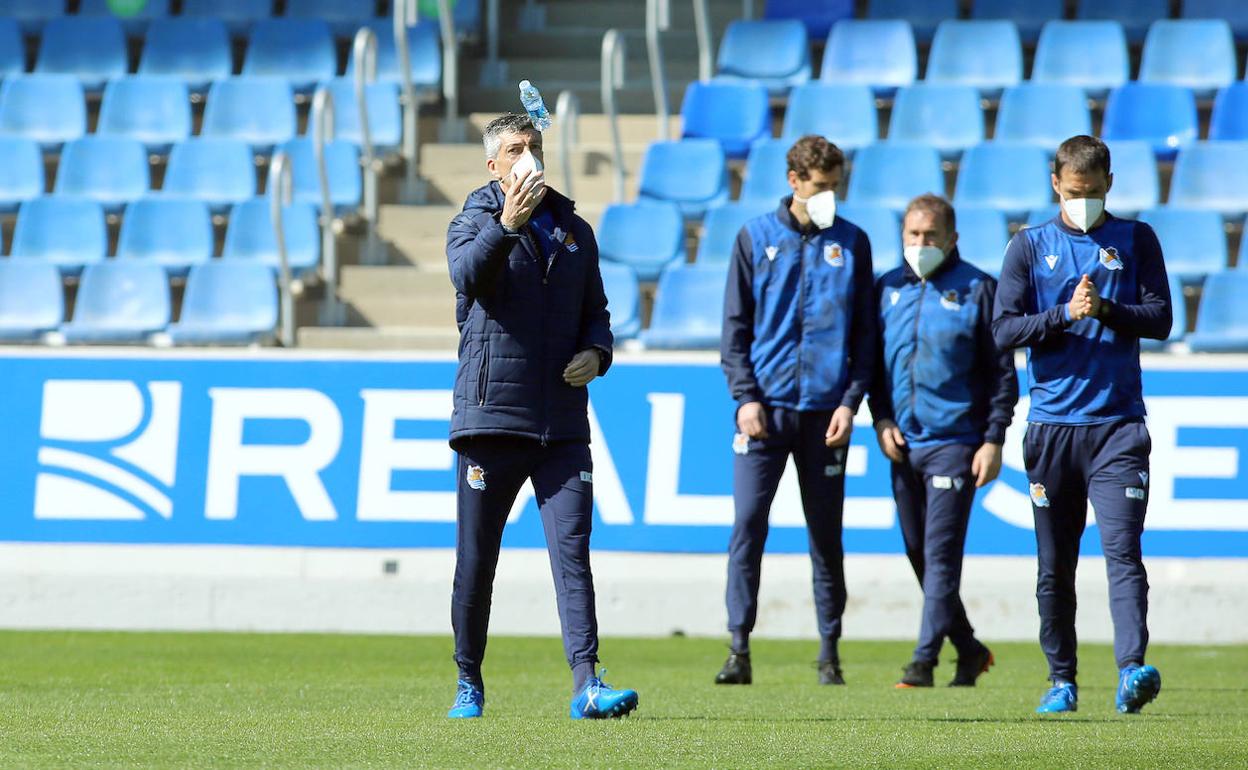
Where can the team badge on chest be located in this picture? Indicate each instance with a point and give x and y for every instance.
(949, 300)
(834, 255)
(1110, 258)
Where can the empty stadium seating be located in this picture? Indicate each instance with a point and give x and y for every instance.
(1229, 121)
(891, 174)
(33, 14)
(12, 56)
(68, 233)
(623, 299)
(257, 110)
(944, 115)
(172, 233)
(1062, 56)
(734, 114)
(1043, 114)
(342, 166)
(985, 54)
(301, 50)
(31, 300)
(1160, 113)
(766, 174)
(119, 302)
(21, 173)
(646, 236)
(1178, 308)
(1041, 215)
(240, 15)
(982, 236)
(1136, 186)
(1222, 320)
(1029, 15)
(688, 307)
(1212, 176)
(193, 49)
(1195, 53)
(111, 170)
(344, 16)
(424, 54)
(251, 236)
(93, 49)
(771, 52)
(1191, 240)
(690, 173)
(217, 171)
(135, 25)
(227, 302)
(1011, 178)
(155, 110)
(721, 227)
(879, 53)
(818, 17)
(385, 117)
(1134, 15)
(50, 109)
(844, 113)
(1235, 12)
(923, 15)
(883, 229)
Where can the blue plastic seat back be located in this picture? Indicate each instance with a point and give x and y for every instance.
(251, 234)
(1041, 215)
(12, 53)
(342, 165)
(1235, 12)
(229, 299)
(1196, 53)
(690, 172)
(879, 53)
(31, 298)
(818, 17)
(66, 232)
(844, 113)
(424, 44)
(982, 236)
(623, 299)
(734, 114)
(1229, 121)
(385, 116)
(946, 116)
(51, 109)
(1160, 113)
(1222, 318)
(1192, 241)
(767, 173)
(1136, 184)
(985, 54)
(883, 229)
(21, 173)
(1029, 15)
(197, 50)
(1043, 114)
(174, 233)
(891, 174)
(257, 110)
(1178, 308)
(33, 14)
(722, 226)
(239, 15)
(154, 109)
(923, 15)
(1212, 175)
(772, 52)
(1062, 56)
(109, 169)
(134, 25)
(1014, 178)
(116, 295)
(688, 307)
(299, 49)
(646, 236)
(219, 172)
(344, 16)
(90, 48)
(1135, 16)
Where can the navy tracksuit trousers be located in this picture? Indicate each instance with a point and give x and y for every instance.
(821, 475)
(1068, 465)
(492, 470)
(934, 490)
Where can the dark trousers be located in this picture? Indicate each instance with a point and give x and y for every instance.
(821, 475)
(491, 472)
(934, 490)
(1067, 466)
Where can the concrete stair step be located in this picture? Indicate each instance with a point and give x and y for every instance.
(613, 13)
(400, 282)
(547, 70)
(428, 311)
(635, 98)
(386, 338)
(589, 158)
(595, 128)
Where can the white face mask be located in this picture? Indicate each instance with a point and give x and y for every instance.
(923, 260)
(1083, 211)
(820, 207)
(527, 162)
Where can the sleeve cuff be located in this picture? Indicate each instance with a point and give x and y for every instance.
(995, 433)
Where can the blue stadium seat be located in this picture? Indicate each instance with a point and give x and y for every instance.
(1012, 178)
(688, 307)
(33, 14)
(51, 109)
(21, 173)
(1178, 330)
(385, 117)
(1229, 121)
(1136, 186)
(883, 229)
(119, 302)
(766, 174)
(879, 53)
(92, 49)
(923, 15)
(1222, 319)
(257, 110)
(818, 17)
(721, 227)
(12, 54)
(623, 299)
(344, 16)
(134, 25)
(173, 233)
(985, 54)
(1235, 12)
(219, 172)
(32, 301)
(1196, 53)
(982, 236)
(1192, 241)
(734, 114)
(66, 232)
(773, 53)
(342, 165)
(153, 109)
(111, 170)
(240, 15)
(1028, 15)
(1213, 176)
(1043, 114)
(890, 174)
(424, 53)
(1039, 216)
(227, 301)
(844, 113)
(193, 49)
(1162, 114)
(944, 115)
(299, 49)
(250, 235)
(1135, 16)
(1062, 56)
(646, 236)
(690, 173)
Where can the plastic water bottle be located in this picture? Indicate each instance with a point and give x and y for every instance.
(532, 101)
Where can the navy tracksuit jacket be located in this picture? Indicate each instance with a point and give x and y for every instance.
(1086, 437)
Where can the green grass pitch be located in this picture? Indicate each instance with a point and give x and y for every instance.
(249, 700)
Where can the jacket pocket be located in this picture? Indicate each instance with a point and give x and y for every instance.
(483, 374)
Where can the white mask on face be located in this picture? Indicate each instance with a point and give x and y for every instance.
(527, 162)
(1083, 211)
(923, 260)
(820, 207)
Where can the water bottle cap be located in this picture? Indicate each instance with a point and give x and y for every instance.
(525, 84)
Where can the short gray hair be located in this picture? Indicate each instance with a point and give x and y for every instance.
(509, 123)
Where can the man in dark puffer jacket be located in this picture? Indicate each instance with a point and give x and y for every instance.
(534, 330)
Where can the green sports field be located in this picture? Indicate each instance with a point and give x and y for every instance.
(197, 700)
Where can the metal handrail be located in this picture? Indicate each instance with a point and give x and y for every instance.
(568, 111)
(658, 18)
(450, 60)
(322, 119)
(364, 52)
(405, 16)
(701, 26)
(613, 58)
(281, 192)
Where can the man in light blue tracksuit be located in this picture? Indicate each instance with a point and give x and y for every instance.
(798, 349)
(942, 399)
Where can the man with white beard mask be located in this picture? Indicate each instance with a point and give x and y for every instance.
(942, 398)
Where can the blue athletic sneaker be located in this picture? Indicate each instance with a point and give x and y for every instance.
(1061, 697)
(1137, 685)
(599, 700)
(469, 701)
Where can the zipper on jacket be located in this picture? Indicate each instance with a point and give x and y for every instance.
(918, 314)
(483, 374)
(801, 310)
